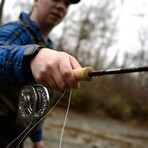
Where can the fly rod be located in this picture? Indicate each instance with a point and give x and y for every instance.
(87, 73)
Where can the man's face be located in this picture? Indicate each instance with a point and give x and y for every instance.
(51, 12)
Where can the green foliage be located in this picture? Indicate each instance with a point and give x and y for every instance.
(114, 97)
(81, 101)
(119, 107)
(76, 99)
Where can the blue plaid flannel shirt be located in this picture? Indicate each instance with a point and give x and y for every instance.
(14, 39)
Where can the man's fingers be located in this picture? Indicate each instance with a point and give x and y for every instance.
(55, 69)
(59, 80)
(74, 63)
(68, 75)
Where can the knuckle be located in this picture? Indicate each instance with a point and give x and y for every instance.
(66, 74)
(38, 78)
(63, 53)
(49, 64)
(62, 85)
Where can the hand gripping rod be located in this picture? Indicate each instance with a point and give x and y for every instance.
(87, 73)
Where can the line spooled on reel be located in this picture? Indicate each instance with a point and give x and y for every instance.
(33, 101)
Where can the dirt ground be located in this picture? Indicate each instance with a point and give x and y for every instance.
(83, 131)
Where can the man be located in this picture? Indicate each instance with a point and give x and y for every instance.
(22, 61)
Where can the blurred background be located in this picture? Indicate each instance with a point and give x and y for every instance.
(102, 34)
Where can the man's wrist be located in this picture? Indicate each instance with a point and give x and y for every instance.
(29, 54)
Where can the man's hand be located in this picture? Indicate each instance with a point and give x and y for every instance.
(53, 69)
(38, 144)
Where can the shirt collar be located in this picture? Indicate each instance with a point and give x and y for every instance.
(29, 23)
(33, 27)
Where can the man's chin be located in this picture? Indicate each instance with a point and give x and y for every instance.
(55, 22)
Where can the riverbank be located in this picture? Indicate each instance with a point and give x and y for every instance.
(83, 131)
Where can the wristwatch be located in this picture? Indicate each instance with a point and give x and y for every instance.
(29, 54)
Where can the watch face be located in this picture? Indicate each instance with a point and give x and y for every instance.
(30, 50)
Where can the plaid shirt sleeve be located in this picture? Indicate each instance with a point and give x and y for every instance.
(37, 136)
(14, 39)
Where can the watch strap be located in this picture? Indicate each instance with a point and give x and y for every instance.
(29, 54)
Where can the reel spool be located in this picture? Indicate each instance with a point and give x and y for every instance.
(33, 101)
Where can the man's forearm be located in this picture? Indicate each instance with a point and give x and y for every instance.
(11, 67)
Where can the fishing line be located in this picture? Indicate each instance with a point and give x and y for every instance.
(68, 106)
(41, 118)
(35, 124)
(19, 135)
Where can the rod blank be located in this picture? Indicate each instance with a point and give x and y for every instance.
(118, 71)
(87, 73)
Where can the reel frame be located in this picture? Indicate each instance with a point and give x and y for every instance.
(33, 101)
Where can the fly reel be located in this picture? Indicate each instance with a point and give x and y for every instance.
(33, 101)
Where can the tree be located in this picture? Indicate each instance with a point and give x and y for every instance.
(1, 10)
(90, 32)
(17, 7)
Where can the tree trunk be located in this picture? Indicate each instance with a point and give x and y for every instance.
(1, 10)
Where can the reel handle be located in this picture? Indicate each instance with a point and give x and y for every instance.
(82, 74)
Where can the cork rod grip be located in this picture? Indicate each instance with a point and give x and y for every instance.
(82, 74)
